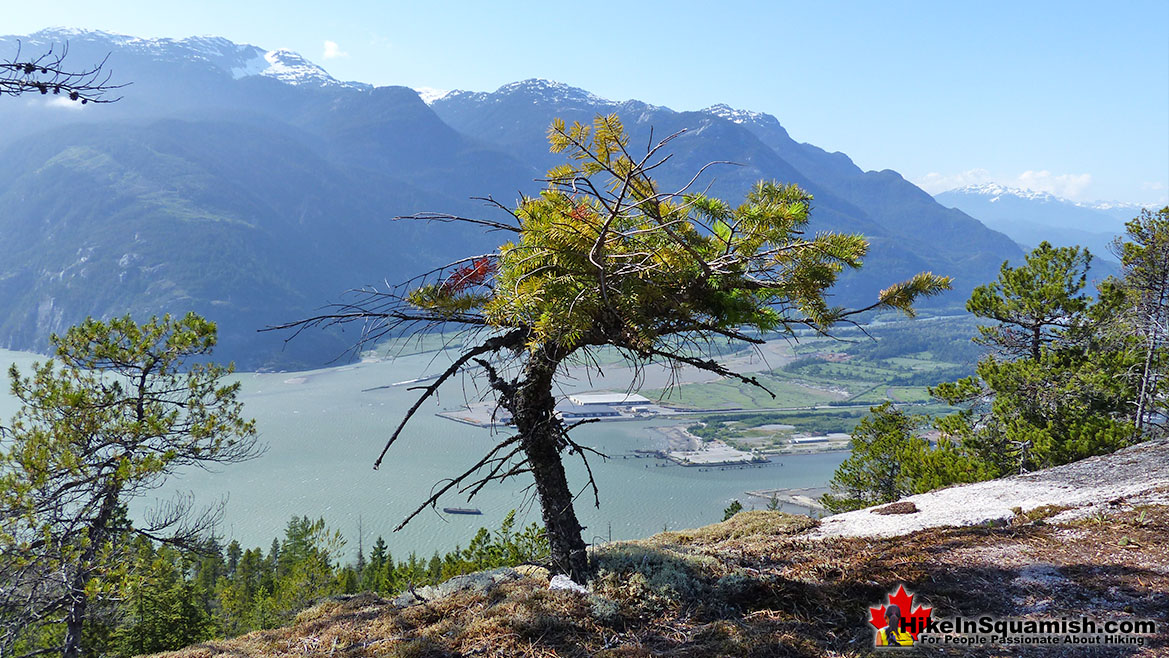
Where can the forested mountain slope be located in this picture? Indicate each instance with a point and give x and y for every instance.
(251, 186)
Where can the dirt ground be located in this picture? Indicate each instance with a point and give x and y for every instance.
(759, 585)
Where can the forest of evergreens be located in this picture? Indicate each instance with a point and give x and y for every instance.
(1065, 375)
(169, 597)
(124, 405)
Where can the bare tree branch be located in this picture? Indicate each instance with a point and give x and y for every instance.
(509, 340)
(46, 74)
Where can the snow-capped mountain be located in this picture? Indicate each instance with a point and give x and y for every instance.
(248, 184)
(995, 192)
(1030, 217)
(547, 91)
(733, 115)
(429, 94)
(237, 60)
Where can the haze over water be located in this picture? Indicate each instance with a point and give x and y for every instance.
(323, 433)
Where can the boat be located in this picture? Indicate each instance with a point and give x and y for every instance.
(462, 510)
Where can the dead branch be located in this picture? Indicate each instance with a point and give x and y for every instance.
(46, 74)
(709, 365)
(445, 218)
(512, 339)
(456, 481)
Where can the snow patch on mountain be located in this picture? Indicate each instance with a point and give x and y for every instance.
(429, 94)
(288, 66)
(254, 66)
(733, 115)
(995, 192)
(551, 90)
(541, 91)
(238, 60)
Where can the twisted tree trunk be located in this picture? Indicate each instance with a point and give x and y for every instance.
(97, 533)
(542, 433)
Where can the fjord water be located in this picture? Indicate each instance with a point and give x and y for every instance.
(323, 433)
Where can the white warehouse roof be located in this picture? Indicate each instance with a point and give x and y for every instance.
(608, 398)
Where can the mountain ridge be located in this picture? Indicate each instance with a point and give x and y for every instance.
(1030, 217)
(282, 64)
(347, 158)
(997, 191)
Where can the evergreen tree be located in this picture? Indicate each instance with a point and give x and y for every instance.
(233, 556)
(374, 577)
(1053, 388)
(606, 257)
(882, 446)
(1033, 305)
(1145, 259)
(734, 508)
(163, 611)
(304, 566)
(121, 407)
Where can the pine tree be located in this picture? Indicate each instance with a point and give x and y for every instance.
(1145, 259)
(734, 508)
(1053, 388)
(121, 407)
(605, 257)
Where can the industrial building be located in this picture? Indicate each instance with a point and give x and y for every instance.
(608, 399)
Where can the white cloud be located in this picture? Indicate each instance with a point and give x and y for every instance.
(1068, 186)
(934, 182)
(60, 102)
(333, 51)
(1158, 189)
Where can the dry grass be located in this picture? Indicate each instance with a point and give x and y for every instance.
(752, 586)
(756, 524)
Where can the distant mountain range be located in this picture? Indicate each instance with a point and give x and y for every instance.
(1030, 217)
(253, 187)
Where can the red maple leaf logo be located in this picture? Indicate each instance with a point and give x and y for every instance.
(912, 621)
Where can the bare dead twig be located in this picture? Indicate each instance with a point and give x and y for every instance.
(46, 74)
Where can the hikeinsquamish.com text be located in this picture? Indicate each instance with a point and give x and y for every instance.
(1007, 631)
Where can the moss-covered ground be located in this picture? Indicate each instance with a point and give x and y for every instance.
(754, 586)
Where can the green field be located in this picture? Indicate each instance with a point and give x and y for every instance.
(843, 378)
(733, 394)
(882, 393)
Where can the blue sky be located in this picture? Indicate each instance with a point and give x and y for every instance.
(1066, 97)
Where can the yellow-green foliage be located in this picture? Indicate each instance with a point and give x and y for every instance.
(605, 256)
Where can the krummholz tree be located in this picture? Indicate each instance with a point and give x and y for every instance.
(121, 407)
(1144, 255)
(605, 258)
(46, 74)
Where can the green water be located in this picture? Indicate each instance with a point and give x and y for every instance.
(323, 434)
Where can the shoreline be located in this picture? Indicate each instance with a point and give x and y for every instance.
(802, 498)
